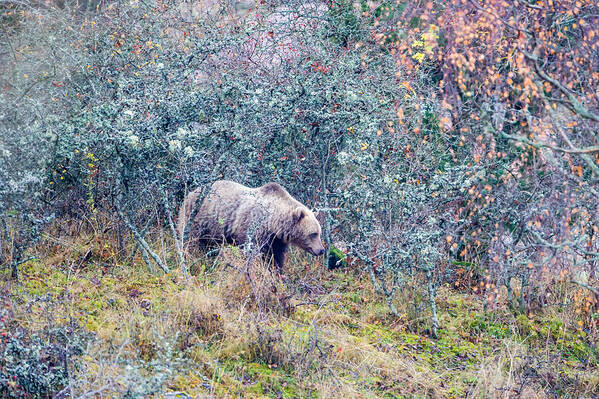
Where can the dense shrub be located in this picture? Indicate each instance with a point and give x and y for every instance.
(361, 112)
(40, 364)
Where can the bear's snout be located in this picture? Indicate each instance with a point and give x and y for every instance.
(317, 252)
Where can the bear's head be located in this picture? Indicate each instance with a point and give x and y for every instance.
(306, 231)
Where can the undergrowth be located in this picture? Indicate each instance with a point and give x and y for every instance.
(97, 326)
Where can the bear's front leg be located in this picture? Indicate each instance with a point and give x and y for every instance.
(277, 250)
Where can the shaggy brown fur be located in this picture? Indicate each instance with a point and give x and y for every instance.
(267, 215)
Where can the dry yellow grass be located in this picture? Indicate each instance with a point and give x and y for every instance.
(238, 329)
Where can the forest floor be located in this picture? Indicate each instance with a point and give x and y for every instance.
(310, 333)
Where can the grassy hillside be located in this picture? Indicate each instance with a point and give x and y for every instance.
(449, 148)
(310, 333)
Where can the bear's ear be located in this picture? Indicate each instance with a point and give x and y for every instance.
(298, 214)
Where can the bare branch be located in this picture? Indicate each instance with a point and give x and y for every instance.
(588, 287)
(536, 144)
(144, 245)
(503, 21)
(573, 101)
(176, 236)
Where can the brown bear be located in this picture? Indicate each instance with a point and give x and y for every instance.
(266, 216)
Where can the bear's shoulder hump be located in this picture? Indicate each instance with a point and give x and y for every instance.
(273, 188)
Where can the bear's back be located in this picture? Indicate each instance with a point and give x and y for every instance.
(228, 186)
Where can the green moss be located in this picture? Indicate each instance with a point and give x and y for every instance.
(468, 337)
(378, 334)
(263, 379)
(483, 325)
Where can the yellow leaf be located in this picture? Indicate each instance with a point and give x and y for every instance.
(418, 57)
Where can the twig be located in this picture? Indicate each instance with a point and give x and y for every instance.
(503, 21)
(24, 261)
(588, 287)
(574, 103)
(177, 237)
(144, 245)
(536, 144)
(143, 234)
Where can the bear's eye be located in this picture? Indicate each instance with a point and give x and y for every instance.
(313, 235)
